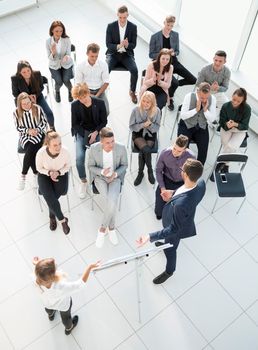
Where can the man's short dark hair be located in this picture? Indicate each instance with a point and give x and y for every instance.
(182, 141)
(106, 132)
(221, 53)
(93, 48)
(204, 87)
(193, 169)
(122, 9)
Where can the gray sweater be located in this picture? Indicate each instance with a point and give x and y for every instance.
(137, 120)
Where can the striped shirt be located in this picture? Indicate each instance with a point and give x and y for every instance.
(27, 122)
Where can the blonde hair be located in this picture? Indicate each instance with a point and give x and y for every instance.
(45, 271)
(80, 90)
(170, 19)
(150, 96)
(50, 135)
(22, 96)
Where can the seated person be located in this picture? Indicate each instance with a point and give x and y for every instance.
(218, 76)
(168, 170)
(234, 122)
(158, 77)
(121, 39)
(94, 73)
(89, 116)
(31, 123)
(144, 124)
(28, 80)
(60, 61)
(167, 38)
(198, 109)
(53, 163)
(107, 166)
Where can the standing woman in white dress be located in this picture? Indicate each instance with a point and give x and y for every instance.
(60, 60)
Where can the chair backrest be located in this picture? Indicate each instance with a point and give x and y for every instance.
(232, 157)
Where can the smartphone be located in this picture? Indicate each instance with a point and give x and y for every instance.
(223, 178)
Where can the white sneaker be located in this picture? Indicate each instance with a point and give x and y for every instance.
(100, 239)
(35, 181)
(21, 184)
(113, 237)
(82, 191)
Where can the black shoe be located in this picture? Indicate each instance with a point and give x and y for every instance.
(158, 217)
(70, 97)
(171, 106)
(66, 228)
(51, 317)
(224, 169)
(162, 277)
(151, 177)
(138, 179)
(57, 96)
(75, 321)
(158, 244)
(52, 223)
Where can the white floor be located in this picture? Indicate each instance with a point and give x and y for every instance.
(210, 302)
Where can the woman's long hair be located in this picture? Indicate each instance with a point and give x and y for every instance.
(156, 63)
(241, 92)
(57, 24)
(20, 110)
(150, 96)
(35, 84)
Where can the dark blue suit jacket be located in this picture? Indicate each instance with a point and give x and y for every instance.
(178, 214)
(113, 37)
(99, 114)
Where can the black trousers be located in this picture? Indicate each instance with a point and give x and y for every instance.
(170, 185)
(188, 77)
(199, 136)
(171, 254)
(52, 191)
(65, 316)
(31, 150)
(128, 62)
(161, 96)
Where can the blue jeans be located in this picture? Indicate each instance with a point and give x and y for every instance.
(81, 144)
(41, 101)
(62, 76)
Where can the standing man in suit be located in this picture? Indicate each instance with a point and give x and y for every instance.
(89, 116)
(169, 39)
(121, 39)
(178, 215)
(107, 166)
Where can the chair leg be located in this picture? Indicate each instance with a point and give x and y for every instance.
(68, 203)
(164, 115)
(92, 203)
(119, 201)
(71, 175)
(214, 206)
(40, 204)
(131, 161)
(241, 205)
